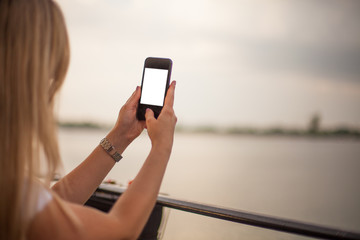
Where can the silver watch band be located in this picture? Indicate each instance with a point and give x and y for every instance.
(109, 148)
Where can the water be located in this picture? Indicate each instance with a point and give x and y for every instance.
(312, 180)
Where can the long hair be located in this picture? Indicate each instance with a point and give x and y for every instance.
(34, 57)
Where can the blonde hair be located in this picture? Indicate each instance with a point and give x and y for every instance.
(34, 57)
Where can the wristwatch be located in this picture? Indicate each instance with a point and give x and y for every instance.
(106, 145)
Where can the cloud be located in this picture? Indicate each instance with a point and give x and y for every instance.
(272, 60)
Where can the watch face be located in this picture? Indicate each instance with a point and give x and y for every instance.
(117, 157)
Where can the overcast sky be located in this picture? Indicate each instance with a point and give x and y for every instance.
(253, 63)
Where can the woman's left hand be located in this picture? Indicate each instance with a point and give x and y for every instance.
(127, 127)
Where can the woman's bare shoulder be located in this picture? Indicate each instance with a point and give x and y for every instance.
(65, 220)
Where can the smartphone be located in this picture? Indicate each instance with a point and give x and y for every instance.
(154, 85)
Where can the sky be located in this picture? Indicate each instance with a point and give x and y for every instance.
(255, 63)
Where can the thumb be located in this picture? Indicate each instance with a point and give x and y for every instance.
(134, 98)
(149, 115)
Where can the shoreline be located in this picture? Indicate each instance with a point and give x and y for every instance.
(333, 133)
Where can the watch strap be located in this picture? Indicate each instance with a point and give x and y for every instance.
(110, 149)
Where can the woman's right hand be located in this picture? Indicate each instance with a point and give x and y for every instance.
(161, 130)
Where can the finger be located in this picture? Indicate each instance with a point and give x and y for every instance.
(134, 98)
(169, 100)
(149, 115)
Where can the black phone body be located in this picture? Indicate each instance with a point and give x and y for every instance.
(154, 85)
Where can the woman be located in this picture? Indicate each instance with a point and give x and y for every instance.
(34, 59)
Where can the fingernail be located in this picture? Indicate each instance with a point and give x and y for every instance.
(174, 83)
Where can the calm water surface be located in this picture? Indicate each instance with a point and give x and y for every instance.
(312, 180)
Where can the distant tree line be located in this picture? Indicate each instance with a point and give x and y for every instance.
(313, 129)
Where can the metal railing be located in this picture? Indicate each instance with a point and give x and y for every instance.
(107, 194)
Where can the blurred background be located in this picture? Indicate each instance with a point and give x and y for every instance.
(267, 100)
(254, 63)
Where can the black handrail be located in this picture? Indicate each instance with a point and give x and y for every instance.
(111, 193)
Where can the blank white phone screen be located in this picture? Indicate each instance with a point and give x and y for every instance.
(153, 87)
